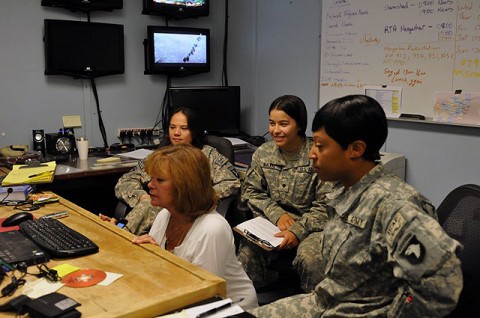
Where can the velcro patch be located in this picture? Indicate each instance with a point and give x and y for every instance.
(355, 221)
(394, 228)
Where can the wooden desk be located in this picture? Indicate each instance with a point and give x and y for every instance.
(155, 281)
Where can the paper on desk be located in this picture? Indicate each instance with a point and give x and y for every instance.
(237, 141)
(111, 277)
(136, 154)
(40, 288)
(194, 312)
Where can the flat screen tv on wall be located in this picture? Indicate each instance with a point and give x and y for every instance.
(177, 51)
(84, 5)
(178, 9)
(83, 49)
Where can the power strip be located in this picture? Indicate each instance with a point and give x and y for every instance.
(137, 132)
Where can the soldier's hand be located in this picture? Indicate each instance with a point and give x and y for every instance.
(107, 218)
(285, 222)
(289, 240)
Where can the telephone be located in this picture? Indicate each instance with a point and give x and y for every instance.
(13, 150)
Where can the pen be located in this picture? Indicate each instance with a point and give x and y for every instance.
(257, 239)
(214, 310)
(38, 174)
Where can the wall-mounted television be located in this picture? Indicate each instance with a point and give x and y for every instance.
(178, 9)
(83, 49)
(177, 51)
(84, 5)
(217, 106)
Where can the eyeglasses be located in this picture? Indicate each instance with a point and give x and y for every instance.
(26, 206)
(50, 275)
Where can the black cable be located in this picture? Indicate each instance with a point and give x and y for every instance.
(101, 126)
(164, 108)
(9, 190)
(10, 289)
(225, 47)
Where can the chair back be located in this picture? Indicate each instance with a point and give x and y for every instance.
(223, 146)
(459, 216)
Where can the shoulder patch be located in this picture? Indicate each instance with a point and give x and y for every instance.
(394, 228)
(414, 251)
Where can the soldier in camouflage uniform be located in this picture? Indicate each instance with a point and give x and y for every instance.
(281, 186)
(183, 128)
(383, 253)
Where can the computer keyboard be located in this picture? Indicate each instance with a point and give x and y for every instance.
(57, 239)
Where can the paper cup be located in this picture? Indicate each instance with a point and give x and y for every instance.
(82, 148)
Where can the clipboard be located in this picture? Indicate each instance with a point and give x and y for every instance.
(31, 174)
(261, 232)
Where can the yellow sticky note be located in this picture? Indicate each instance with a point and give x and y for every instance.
(72, 121)
(65, 269)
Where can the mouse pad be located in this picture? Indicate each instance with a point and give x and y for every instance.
(7, 228)
(16, 248)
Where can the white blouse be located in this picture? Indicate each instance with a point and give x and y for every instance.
(209, 244)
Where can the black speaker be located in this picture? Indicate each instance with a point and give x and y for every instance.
(39, 140)
(59, 144)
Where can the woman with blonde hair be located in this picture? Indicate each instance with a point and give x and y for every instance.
(188, 225)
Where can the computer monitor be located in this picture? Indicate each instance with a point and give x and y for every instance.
(178, 9)
(217, 106)
(177, 51)
(84, 5)
(83, 49)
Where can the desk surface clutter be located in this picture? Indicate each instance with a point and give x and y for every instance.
(154, 281)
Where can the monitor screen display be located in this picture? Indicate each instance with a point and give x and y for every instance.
(83, 49)
(217, 106)
(178, 9)
(177, 51)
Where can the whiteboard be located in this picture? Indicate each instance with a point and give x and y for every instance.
(423, 46)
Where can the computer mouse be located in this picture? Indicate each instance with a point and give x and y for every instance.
(17, 218)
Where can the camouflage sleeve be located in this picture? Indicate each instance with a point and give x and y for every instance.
(424, 256)
(315, 220)
(225, 177)
(141, 218)
(129, 187)
(255, 191)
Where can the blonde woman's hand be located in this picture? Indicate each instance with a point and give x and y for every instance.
(144, 239)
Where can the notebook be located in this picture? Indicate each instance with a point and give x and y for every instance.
(24, 174)
(16, 248)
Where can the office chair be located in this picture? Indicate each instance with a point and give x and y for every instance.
(459, 216)
(226, 206)
(223, 146)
